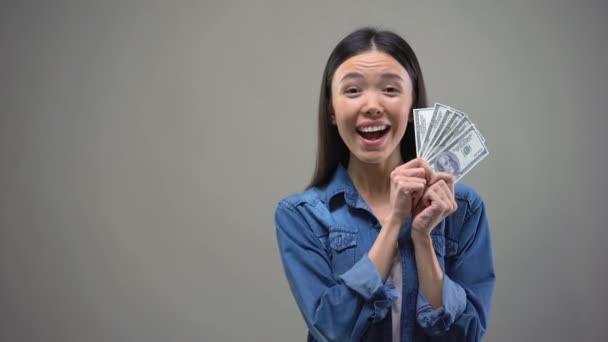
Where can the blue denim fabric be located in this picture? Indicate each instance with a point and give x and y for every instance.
(324, 235)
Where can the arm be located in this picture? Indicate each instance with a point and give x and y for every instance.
(335, 307)
(467, 286)
(430, 275)
(383, 250)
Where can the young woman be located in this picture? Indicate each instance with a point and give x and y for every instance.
(379, 247)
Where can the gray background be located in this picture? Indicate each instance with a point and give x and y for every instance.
(144, 146)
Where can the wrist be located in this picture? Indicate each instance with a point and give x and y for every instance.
(421, 237)
(391, 222)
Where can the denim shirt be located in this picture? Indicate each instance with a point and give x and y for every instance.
(324, 235)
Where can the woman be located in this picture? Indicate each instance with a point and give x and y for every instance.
(379, 247)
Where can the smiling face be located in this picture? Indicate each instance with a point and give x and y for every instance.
(371, 99)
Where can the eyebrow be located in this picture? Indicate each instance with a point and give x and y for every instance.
(386, 75)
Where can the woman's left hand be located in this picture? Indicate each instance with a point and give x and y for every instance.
(436, 204)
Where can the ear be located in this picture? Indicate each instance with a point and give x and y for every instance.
(332, 115)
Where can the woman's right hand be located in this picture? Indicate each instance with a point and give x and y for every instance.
(408, 182)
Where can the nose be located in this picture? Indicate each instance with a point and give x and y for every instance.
(372, 106)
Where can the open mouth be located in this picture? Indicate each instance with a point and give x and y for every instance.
(373, 133)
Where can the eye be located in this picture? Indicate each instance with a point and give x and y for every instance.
(351, 91)
(392, 90)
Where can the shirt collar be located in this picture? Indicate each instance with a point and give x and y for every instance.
(341, 183)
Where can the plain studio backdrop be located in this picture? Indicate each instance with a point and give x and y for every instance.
(145, 145)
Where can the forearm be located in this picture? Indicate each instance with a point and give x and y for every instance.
(384, 248)
(430, 275)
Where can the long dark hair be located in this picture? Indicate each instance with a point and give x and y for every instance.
(331, 149)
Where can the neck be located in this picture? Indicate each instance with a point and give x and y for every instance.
(373, 180)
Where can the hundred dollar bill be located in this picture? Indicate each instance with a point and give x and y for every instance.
(437, 131)
(464, 152)
(447, 138)
(450, 118)
(452, 130)
(438, 114)
(422, 120)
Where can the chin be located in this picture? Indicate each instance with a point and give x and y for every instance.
(372, 158)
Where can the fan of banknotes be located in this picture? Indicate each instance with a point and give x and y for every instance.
(448, 140)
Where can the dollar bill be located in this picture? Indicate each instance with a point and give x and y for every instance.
(461, 154)
(447, 138)
(422, 120)
(438, 114)
(447, 125)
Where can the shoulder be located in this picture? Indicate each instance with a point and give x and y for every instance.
(465, 221)
(468, 197)
(303, 212)
(302, 204)
(310, 196)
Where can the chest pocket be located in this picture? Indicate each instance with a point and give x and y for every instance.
(444, 247)
(343, 248)
(438, 244)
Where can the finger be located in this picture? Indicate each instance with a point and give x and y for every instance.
(417, 163)
(414, 189)
(451, 199)
(415, 180)
(401, 179)
(446, 189)
(421, 183)
(417, 195)
(434, 198)
(446, 195)
(439, 176)
(415, 184)
(413, 172)
(416, 172)
(441, 197)
(451, 182)
(428, 170)
(448, 178)
(427, 198)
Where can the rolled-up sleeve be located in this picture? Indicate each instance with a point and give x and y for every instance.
(335, 308)
(364, 279)
(438, 321)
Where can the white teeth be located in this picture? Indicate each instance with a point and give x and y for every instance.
(371, 129)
